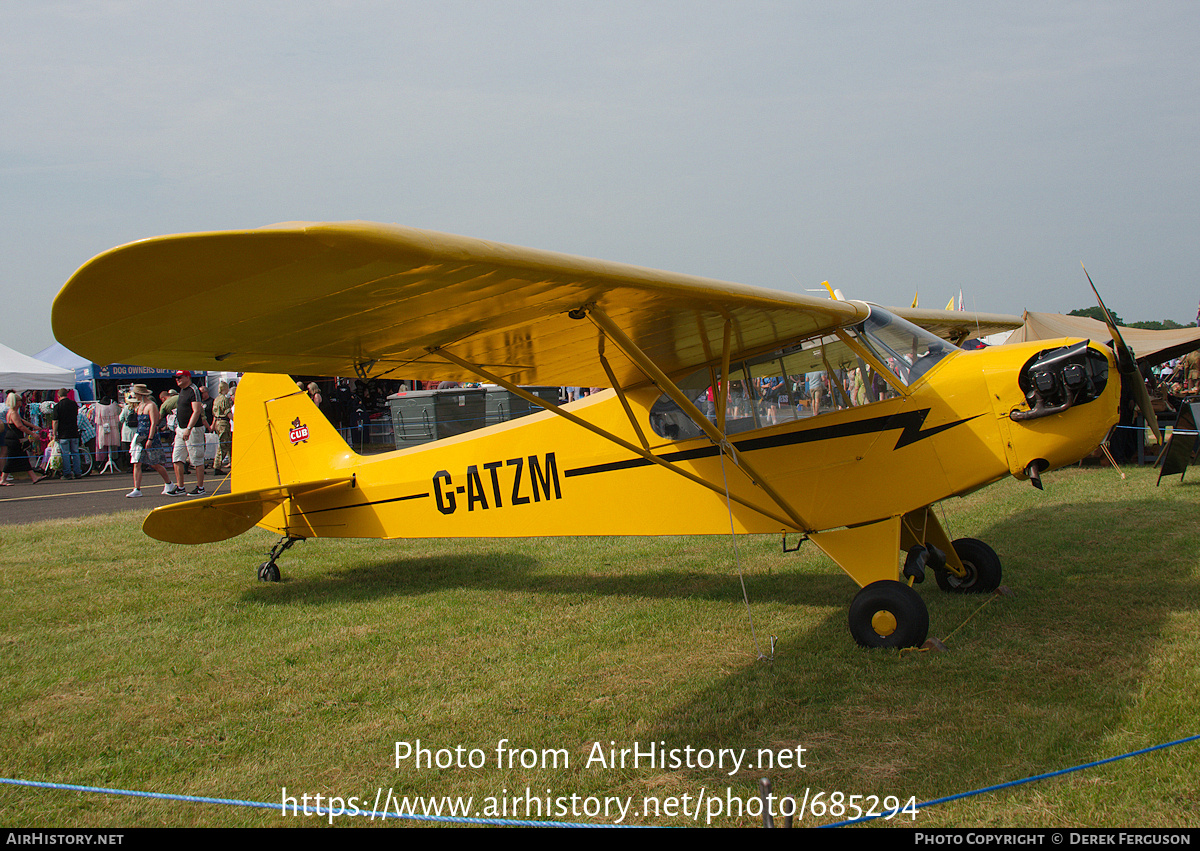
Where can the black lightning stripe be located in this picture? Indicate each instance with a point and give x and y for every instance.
(362, 504)
(909, 422)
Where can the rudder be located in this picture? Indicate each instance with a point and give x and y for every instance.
(281, 437)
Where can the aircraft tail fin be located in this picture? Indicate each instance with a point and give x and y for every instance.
(283, 447)
(280, 437)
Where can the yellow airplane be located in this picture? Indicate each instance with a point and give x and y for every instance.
(730, 408)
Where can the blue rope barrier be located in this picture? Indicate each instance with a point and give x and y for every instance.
(1012, 783)
(1173, 429)
(314, 811)
(327, 812)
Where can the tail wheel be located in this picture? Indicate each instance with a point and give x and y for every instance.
(982, 566)
(888, 613)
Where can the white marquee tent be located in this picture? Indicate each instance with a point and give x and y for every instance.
(21, 372)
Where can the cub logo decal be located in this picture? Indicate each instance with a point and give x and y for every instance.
(299, 432)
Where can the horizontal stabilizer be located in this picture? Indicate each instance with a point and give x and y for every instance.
(215, 518)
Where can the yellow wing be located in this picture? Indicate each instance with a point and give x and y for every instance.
(323, 299)
(958, 325)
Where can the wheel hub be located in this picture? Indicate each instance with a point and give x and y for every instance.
(883, 622)
(967, 579)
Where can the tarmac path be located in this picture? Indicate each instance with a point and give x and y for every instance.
(52, 499)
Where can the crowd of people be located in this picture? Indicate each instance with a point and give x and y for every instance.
(32, 446)
(1181, 375)
(45, 435)
(52, 430)
(181, 422)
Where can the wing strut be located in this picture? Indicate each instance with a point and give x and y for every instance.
(474, 369)
(718, 437)
(620, 391)
(723, 400)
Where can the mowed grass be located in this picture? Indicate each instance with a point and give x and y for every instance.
(131, 664)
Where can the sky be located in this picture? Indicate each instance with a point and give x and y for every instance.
(890, 148)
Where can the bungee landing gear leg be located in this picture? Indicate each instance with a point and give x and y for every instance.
(981, 569)
(268, 571)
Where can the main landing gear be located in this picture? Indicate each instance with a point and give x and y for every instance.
(268, 571)
(982, 567)
(889, 613)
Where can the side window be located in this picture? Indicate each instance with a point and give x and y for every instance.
(668, 420)
(814, 377)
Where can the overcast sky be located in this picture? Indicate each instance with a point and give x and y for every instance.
(888, 147)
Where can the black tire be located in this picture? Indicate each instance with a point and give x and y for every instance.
(982, 565)
(888, 613)
(268, 571)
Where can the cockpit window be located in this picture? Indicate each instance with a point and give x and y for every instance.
(812, 377)
(908, 350)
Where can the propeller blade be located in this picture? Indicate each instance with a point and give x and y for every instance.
(1127, 365)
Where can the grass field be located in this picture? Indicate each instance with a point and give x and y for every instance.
(132, 664)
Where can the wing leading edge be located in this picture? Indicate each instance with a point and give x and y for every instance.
(957, 325)
(326, 298)
(350, 297)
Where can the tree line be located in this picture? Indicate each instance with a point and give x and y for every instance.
(1094, 312)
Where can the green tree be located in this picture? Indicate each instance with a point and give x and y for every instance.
(1164, 325)
(1094, 312)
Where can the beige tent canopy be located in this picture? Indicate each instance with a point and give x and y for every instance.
(1153, 347)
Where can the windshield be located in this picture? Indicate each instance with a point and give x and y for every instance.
(908, 350)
